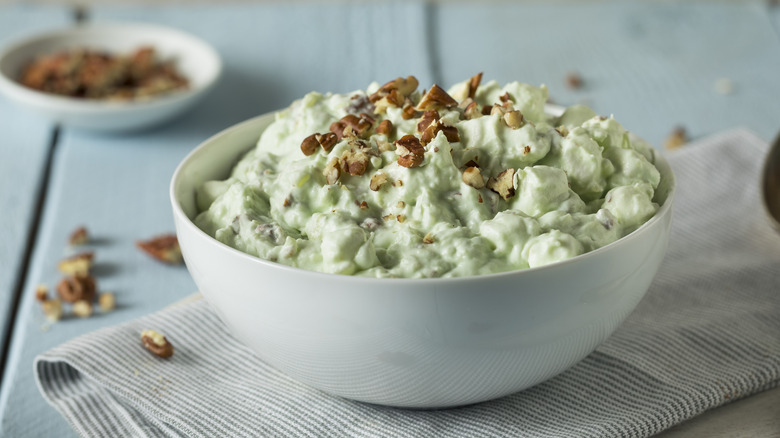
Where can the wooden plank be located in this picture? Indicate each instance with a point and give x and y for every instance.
(24, 150)
(653, 65)
(117, 186)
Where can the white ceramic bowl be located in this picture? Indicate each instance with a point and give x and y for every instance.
(195, 59)
(427, 343)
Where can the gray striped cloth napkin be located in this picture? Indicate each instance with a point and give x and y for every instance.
(707, 333)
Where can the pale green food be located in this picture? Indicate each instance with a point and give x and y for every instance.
(574, 192)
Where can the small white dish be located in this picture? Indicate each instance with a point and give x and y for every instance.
(195, 59)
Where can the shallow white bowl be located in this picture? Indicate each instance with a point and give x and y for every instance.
(195, 59)
(427, 343)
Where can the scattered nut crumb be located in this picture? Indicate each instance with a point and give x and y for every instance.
(52, 309)
(677, 138)
(82, 309)
(79, 237)
(72, 289)
(332, 171)
(400, 204)
(401, 218)
(377, 181)
(42, 292)
(78, 265)
(107, 301)
(574, 81)
(164, 248)
(156, 343)
(503, 184)
(428, 239)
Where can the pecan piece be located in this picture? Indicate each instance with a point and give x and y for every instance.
(52, 309)
(473, 177)
(332, 171)
(430, 132)
(377, 181)
(327, 140)
(472, 111)
(427, 118)
(78, 264)
(107, 301)
(410, 151)
(393, 93)
(355, 161)
(72, 289)
(309, 145)
(385, 127)
(428, 239)
(435, 98)
(474, 84)
(503, 184)
(408, 112)
(514, 119)
(164, 248)
(157, 344)
(352, 126)
(41, 293)
(79, 237)
(677, 138)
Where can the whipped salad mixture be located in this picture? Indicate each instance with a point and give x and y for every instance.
(398, 182)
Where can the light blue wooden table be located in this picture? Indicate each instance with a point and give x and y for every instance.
(654, 65)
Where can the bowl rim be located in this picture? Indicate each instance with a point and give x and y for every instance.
(15, 89)
(178, 212)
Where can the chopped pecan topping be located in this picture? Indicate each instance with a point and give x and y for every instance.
(427, 118)
(364, 205)
(400, 204)
(79, 237)
(526, 150)
(384, 145)
(514, 119)
(377, 181)
(435, 98)
(473, 177)
(503, 184)
(327, 140)
(410, 151)
(78, 264)
(72, 289)
(309, 145)
(287, 201)
(408, 112)
(472, 111)
(505, 97)
(472, 163)
(474, 84)
(393, 93)
(332, 171)
(356, 160)
(486, 109)
(156, 343)
(385, 127)
(428, 239)
(352, 126)
(360, 103)
(401, 218)
(479, 199)
(562, 130)
(163, 248)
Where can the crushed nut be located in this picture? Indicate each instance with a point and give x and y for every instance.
(79, 237)
(364, 205)
(52, 309)
(327, 140)
(72, 289)
(410, 151)
(505, 97)
(527, 150)
(332, 171)
(574, 81)
(78, 264)
(487, 109)
(503, 184)
(435, 98)
(400, 204)
(352, 126)
(156, 343)
(474, 84)
(408, 112)
(377, 181)
(82, 309)
(287, 201)
(564, 131)
(676, 138)
(427, 118)
(401, 218)
(473, 177)
(472, 111)
(164, 248)
(355, 161)
(385, 127)
(107, 301)
(514, 119)
(428, 239)
(42, 292)
(393, 93)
